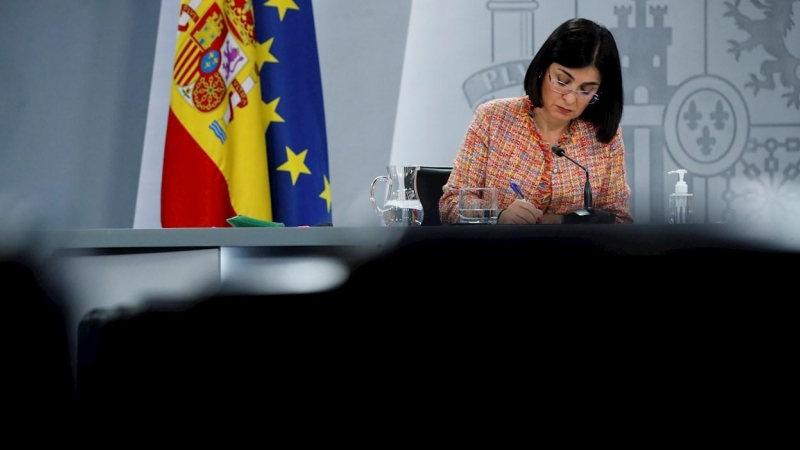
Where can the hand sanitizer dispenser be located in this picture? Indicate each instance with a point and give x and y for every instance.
(680, 201)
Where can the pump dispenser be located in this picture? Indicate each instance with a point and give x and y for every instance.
(680, 201)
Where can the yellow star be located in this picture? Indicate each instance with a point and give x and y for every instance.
(271, 114)
(326, 194)
(295, 164)
(282, 6)
(264, 51)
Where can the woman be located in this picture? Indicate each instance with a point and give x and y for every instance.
(573, 101)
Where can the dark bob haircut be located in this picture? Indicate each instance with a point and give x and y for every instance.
(579, 43)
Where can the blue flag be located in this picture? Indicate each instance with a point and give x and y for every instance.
(291, 86)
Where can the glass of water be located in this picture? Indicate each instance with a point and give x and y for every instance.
(477, 205)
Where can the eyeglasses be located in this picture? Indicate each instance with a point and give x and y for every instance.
(562, 88)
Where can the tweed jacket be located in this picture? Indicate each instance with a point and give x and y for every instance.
(503, 144)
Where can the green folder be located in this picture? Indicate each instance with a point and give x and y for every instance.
(244, 221)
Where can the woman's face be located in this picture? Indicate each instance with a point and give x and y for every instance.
(566, 92)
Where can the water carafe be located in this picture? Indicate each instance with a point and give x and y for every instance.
(401, 207)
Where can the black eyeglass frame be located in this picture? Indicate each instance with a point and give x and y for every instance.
(580, 94)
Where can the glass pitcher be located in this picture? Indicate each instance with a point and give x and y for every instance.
(401, 207)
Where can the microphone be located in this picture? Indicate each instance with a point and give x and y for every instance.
(587, 187)
(588, 214)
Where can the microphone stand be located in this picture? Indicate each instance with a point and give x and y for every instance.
(588, 214)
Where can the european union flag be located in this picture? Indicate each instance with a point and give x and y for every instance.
(291, 85)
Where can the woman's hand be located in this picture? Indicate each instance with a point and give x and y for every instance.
(520, 212)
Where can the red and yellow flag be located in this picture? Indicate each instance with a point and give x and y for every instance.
(246, 128)
(215, 160)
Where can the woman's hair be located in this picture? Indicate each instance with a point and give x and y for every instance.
(576, 44)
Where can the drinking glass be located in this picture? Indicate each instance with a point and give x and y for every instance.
(477, 205)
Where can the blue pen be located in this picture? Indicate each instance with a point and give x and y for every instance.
(516, 189)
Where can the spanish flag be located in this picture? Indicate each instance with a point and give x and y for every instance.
(246, 126)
